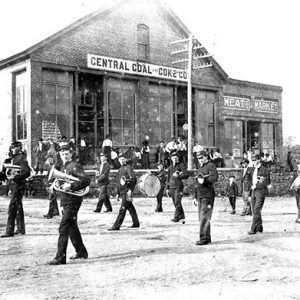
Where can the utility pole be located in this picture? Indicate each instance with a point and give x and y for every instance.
(190, 47)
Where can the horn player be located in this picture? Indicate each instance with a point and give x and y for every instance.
(17, 185)
(71, 204)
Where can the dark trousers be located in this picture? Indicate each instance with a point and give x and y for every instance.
(232, 201)
(53, 206)
(68, 228)
(126, 205)
(298, 204)
(15, 211)
(257, 203)
(103, 199)
(247, 205)
(159, 199)
(205, 209)
(176, 194)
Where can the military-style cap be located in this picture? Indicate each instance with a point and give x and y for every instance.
(64, 148)
(201, 153)
(15, 144)
(256, 157)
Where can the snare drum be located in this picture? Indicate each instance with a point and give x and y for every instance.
(149, 185)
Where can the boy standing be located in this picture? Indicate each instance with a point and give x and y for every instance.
(232, 192)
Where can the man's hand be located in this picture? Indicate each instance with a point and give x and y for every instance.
(168, 192)
(66, 186)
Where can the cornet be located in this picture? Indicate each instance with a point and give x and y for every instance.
(11, 170)
(61, 178)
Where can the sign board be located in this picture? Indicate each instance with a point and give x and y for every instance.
(237, 103)
(133, 67)
(236, 152)
(266, 106)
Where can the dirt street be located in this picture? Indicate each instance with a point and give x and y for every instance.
(157, 261)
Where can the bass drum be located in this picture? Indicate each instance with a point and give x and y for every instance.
(149, 185)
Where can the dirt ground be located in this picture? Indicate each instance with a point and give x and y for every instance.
(157, 261)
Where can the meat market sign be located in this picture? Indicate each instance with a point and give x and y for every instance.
(134, 67)
(258, 105)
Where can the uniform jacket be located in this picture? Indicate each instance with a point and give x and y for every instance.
(103, 178)
(76, 170)
(176, 182)
(20, 160)
(127, 172)
(206, 190)
(247, 180)
(232, 190)
(262, 187)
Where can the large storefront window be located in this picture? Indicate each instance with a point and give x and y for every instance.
(233, 136)
(160, 113)
(268, 137)
(21, 106)
(121, 112)
(56, 104)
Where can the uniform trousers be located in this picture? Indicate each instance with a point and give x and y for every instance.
(126, 205)
(257, 203)
(103, 198)
(205, 209)
(159, 199)
(176, 194)
(15, 211)
(69, 228)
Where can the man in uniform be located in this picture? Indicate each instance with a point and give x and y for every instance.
(260, 182)
(17, 185)
(126, 180)
(207, 175)
(176, 173)
(246, 187)
(103, 181)
(71, 204)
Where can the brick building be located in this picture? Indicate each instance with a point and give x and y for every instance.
(112, 72)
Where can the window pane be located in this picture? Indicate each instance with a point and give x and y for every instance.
(128, 106)
(154, 109)
(63, 100)
(166, 131)
(49, 95)
(211, 136)
(165, 109)
(115, 104)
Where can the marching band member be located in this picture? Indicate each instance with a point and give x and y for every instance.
(176, 172)
(295, 186)
(161, 174)
(126, 182)
(103, 181)
(17, 185)
(260, 182)
(53, 206)
(71, 204)
(207, 175)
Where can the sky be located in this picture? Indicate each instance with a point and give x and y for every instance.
(253, 40)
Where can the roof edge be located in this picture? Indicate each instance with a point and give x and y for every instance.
(245, 82)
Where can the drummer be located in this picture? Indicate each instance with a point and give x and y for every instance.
(176, 172)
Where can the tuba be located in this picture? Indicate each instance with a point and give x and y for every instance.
(11, 170)
(61, 178)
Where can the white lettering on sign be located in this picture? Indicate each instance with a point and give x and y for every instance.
(266, 106)
(237, 103)
(133, 67)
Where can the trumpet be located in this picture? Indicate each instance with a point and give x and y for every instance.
(11, 170)
(62, 178)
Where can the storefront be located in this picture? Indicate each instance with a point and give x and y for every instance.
(112, 73)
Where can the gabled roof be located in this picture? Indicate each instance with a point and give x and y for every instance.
(100, 12)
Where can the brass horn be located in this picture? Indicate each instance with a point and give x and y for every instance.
(11, 170)
(61, 178)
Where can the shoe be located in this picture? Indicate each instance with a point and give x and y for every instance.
(297, 221)
(80, 256)
(5, 235)
(55, 262)
(243, 214)
(260, 230)
(48, 216)
(55, 214)
(19, 232)
(158, 210)
(108, 210)
(248, 214)
(200, 243)
(251, 232)
(134, 226)
(113, 228)
(174, 220)
(232, 212)
(96, 210)
(182, 221)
